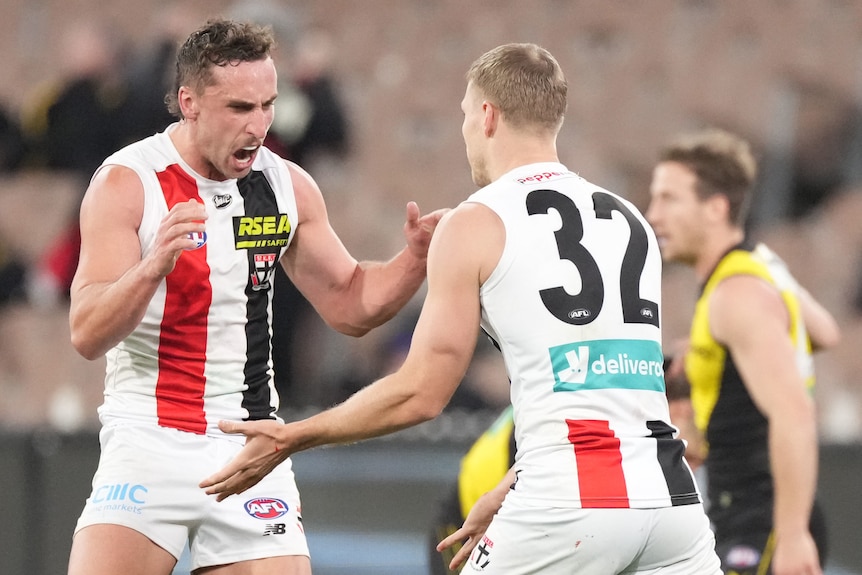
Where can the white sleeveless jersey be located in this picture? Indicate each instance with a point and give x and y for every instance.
(203, 349)
(574, 306)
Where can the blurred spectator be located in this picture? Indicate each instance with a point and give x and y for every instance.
(74, 124)
(77, 121)
(311, 118)
(12, 274)
(12, 145)
(151, 71)
(12, 269)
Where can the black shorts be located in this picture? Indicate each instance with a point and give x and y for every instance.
(745, 551)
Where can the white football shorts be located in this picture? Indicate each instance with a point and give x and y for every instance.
(148, 479)
(561, 541)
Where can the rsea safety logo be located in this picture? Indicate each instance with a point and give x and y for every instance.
(261, 231)
(608, 364)
(266, 508)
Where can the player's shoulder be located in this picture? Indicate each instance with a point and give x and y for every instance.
(471, 215)
(745, 298)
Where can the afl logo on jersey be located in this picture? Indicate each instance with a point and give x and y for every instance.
(579, 313)
(200, 238)
(266, 508)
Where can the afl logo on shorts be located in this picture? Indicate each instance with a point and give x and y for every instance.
(266, 508)
(200, 238)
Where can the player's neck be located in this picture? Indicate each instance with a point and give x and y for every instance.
(715, 247)
(522, 152)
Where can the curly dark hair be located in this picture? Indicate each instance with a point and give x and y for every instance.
(218, 43)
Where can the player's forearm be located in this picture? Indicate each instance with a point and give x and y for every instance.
(380, 291)
(820, 324)
(794, 458)
(103, 314)
(381, 408)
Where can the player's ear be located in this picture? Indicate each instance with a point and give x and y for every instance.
(718, 206)
(492, 116)
(188, 102)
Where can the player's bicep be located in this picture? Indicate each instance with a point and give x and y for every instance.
(110, 216)
(448, 327)
(317, 261)
(749, 317)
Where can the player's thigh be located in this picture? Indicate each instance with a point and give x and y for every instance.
(146, 481)
(286, 565)
(558, 541)
(261, 523)
(105, 549)
(680, 543)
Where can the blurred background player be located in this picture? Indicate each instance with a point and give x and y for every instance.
(748, 362)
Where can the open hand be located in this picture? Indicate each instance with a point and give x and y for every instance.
(419, 229)
(473, 530)
(260, 455)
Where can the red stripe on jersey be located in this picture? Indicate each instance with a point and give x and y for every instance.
(183, 339)
(600, 471)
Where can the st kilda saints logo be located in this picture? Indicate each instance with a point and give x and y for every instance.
(264, 267)
(480, 558)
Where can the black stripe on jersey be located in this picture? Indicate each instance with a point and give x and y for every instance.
(492, 340)
(680, 483)
(259, 200)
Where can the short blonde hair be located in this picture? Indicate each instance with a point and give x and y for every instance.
(525, 82)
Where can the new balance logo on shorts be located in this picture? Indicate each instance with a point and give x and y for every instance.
(608, 364)
(275, 529)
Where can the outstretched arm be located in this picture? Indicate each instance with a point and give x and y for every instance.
(350, 296)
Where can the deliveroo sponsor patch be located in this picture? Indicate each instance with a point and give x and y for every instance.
(608, 364)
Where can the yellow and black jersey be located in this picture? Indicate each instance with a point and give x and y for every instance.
(735, 431)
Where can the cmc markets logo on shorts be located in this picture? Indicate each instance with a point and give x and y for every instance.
(608, 364)
(266, 508)
(127, 497)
